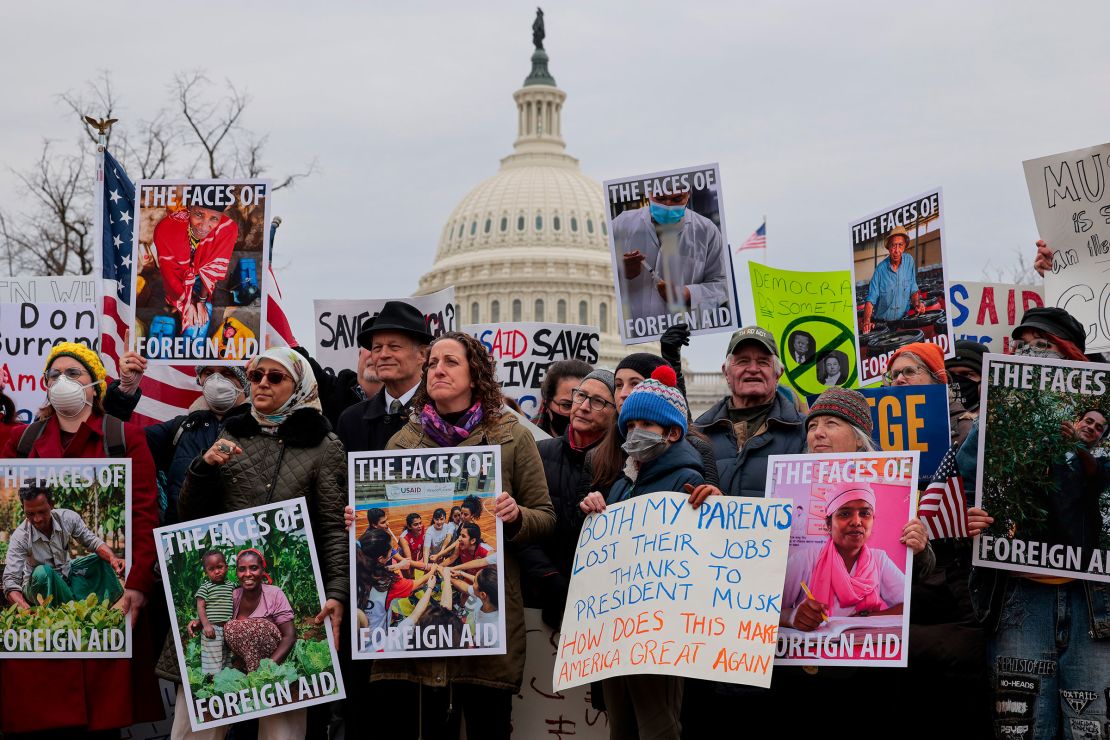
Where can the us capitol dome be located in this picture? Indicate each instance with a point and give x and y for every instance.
(530, 243)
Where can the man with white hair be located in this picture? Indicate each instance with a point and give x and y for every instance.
(757, 419)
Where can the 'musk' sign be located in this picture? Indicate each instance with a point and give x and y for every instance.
(338, 323)
(524, 352)
(659, 587)
(1071, 204)
(988, 312)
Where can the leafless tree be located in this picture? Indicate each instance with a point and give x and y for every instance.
(198, 133)
(1019, 271)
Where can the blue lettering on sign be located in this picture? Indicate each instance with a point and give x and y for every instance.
(955, 292)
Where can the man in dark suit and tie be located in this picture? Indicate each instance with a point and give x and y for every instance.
(397, 339)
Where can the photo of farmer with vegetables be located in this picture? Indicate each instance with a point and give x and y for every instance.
(65, 560)
(246, 590)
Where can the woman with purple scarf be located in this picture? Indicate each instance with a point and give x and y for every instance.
(458, 404)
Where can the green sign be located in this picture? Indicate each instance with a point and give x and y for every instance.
(812, 315)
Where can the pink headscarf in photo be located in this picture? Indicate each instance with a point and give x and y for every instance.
(830, 577)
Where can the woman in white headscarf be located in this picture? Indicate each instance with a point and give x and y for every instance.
(281, 450)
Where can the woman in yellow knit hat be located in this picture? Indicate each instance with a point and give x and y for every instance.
(97, 696)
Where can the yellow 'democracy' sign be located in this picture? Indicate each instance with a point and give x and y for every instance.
(812, 315)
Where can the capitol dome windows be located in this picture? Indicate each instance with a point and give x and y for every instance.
(504, 224)
(574, 224)
(488, 226)
(583, 312)
(473, 227)
(461, 225)
(604, 228)
(495, 312)
(589, 225)
(517, 310)
(539, 222)
(474, 313)
(520, 222)
(603, 317)
(556, 224)
(561, 311)
(538, 313)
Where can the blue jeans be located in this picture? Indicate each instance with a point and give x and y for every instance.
(1050, 677)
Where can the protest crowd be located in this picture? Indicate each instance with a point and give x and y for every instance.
(979, 641)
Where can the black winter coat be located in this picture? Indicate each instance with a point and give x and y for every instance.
(368, 426)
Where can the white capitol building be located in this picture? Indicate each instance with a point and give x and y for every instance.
(530, 243)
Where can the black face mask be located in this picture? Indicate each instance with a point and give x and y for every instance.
(558, 423)
(966, 391)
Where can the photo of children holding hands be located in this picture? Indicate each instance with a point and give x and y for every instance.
(425, 584)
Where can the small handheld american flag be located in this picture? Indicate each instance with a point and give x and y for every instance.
(943, 505)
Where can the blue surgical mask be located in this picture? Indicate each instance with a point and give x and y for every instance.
(662, 214)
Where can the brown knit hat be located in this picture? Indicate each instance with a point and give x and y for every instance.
(846, 404)
(931, 354)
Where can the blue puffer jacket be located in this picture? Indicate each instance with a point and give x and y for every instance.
(678, 465)
(744, 472)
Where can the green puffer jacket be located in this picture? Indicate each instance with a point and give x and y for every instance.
(303, 459)
(521, 476)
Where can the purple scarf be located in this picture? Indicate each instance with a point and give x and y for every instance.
(445, 434)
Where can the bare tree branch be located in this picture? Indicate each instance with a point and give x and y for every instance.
(1017, 272)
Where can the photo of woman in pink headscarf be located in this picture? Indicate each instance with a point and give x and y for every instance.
(844, 576)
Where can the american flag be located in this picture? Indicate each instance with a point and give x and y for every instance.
(758, 239)
(943, 505)
(168, 390)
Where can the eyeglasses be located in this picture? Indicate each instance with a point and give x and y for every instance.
(909, 373)
(1037, 345)
(563, 405)
(73, 373)
(597, 403)
(273, 377)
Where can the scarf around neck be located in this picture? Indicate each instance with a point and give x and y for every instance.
(831, 579)
(443, 432)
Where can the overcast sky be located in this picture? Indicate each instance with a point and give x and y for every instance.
(818, 113)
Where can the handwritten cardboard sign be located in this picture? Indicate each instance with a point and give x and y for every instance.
(659, 587)
(1071, 205)
(524, 351)
(812, 315)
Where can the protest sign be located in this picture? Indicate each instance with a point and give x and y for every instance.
(202, 249)
(70, 593)
(1044, 467)
(901, 281)
(659, 587)
(846, 506)
(236, 666)
(988, 312)
(910, 417)
(444, 594)
(338, 322)
(523, 353)
(812, 315)
(538, 709)
(1072, 208)
(35, 314)
(671, 261)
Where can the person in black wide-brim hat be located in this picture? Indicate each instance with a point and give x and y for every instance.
(397, 340)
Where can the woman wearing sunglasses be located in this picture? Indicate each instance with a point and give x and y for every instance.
(281, 450)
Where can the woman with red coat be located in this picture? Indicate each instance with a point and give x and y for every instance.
(86, 697)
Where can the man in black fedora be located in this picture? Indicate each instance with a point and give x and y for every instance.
(397, 339)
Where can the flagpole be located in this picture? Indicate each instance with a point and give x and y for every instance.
(103, 126)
